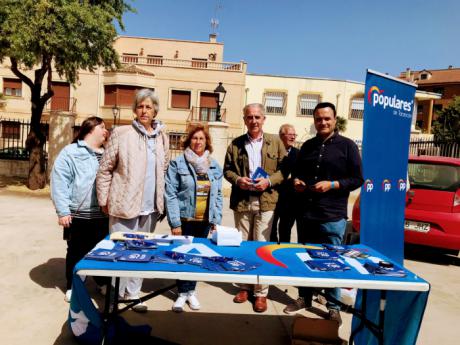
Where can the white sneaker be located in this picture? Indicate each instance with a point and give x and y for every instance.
(321, 299)
(193, 301)
(140, 307)
(348, 296)
(178, 306)
(68, 296)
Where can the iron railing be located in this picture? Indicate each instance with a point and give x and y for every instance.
(13, 136)
(203, 114)
(430, 147)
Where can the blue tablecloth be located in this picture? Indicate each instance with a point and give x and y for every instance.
(280, 264)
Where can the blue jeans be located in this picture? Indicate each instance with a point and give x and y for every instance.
(321, 232)
(195, 229)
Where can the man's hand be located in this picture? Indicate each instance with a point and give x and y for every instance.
(322, 186)
(65, 221)
(176, 231)
(261, 184)
(299, 185)
(244, 183)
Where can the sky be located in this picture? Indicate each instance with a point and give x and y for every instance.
(336, 39)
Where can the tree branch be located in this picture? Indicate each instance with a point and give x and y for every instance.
(19, 74)
(49, 93)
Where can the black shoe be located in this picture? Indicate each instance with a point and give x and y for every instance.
(297, 305)
(334, 314)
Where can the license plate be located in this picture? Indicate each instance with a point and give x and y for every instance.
(416, 226)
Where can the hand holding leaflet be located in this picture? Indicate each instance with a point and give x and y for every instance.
(259, 173)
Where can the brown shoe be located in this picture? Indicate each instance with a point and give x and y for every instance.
(241, 296)
(260, 304)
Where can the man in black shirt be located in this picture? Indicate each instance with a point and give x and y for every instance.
(327, 169)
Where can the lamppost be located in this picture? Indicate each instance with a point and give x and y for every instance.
(116, 115)
(220, 97)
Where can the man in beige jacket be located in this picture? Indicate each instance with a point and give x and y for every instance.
(253, 201)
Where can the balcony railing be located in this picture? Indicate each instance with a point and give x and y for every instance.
(67, 104)
(202, 114)
(195, 64)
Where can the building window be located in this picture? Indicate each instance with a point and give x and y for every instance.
(12, 87)
(357, 108)
(11, 129)
(437, 108)
(439, 90)
(119, 95)
(155, 60)
(423, 76)
(175, 140)
(199, 63)
(307, 103)
(275, 103)
(180, 99)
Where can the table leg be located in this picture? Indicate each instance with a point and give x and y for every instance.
(383, 301)
(110, 307)
(361, 319)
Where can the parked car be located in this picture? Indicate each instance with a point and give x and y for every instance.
(14, 152)
(432, 215)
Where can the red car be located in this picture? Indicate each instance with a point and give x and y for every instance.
(432, 216)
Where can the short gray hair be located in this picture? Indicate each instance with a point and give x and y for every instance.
(284, 127)
(146, 93)
(252, 105)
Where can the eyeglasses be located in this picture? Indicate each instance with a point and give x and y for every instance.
(290, 135)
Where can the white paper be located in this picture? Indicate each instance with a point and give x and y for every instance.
(227, 236)
(173, 238)
(203, 249)
(105, 244)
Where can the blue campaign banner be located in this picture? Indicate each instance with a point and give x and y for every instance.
(388, 109)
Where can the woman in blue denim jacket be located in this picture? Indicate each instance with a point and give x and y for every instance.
(193, 197)
(73, 192)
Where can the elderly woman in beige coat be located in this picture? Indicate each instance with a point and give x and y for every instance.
(130, 181)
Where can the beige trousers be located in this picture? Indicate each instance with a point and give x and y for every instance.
(254, 225)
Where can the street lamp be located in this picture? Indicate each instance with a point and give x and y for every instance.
(116, 115)
(220, 97)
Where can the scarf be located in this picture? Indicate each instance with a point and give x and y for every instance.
(199, 163)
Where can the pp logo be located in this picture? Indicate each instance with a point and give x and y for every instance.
(402, 185)
(368, 186)
(386, 185)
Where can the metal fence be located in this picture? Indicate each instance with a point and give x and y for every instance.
(432, 148)
(13, 136)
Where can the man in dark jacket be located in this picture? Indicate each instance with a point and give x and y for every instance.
(327, 169)
(285, 214)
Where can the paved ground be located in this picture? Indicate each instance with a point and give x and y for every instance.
(34, 312)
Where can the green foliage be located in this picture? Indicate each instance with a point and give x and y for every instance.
(74, 34)
(447, 125)
(341, 124)
(2, 101)
(62, 35)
